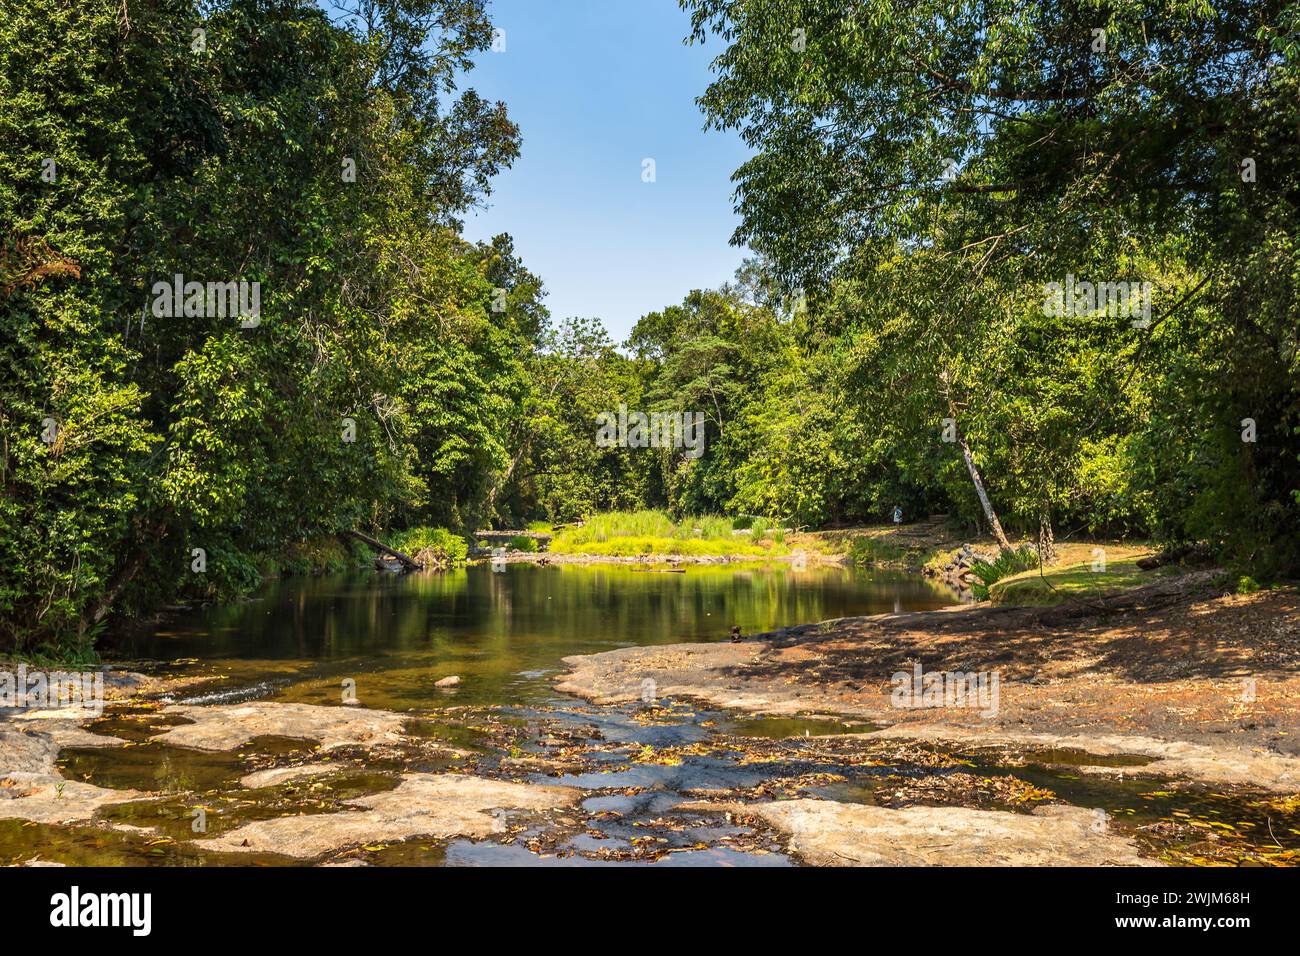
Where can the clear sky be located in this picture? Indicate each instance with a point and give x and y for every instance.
(597, 86)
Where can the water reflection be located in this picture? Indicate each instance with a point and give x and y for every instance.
(503, 632)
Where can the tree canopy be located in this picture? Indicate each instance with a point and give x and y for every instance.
(1027, 264)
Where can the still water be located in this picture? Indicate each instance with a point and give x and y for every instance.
(503, 633)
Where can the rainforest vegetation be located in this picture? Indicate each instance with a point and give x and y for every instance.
(921, 173)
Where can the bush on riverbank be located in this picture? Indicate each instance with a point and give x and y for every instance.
(1004, 565)
(324, 555)
(630, 533)
(444, 547)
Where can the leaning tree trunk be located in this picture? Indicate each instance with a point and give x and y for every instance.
(138, 558)
(408, 562)
(1046, 539)
(996, 526)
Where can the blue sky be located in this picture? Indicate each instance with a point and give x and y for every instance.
(597, 86)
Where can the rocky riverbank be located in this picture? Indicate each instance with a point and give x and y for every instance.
(1204, 685)
(601, 792)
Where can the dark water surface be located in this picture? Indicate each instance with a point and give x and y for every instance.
(503, 633)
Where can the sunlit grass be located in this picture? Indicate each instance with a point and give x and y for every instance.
(1063, 582)
(631, 533)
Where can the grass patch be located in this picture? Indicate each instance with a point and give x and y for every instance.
(910, 547)
(631, 533)
(1064, 582)
(631, 546)
(521, 542)
(866, 551)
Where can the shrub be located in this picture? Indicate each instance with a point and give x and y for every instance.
(1004, 565)
(325, 555)
(438, 544)
(521, 542)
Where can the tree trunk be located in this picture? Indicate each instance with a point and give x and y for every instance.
(126, 574)
(1046, 539)
(117, 586)
(501, 482)
(996, 526)
(407, 561)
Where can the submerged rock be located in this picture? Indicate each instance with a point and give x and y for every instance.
(31, 787)
(452, 681)
(278, 775)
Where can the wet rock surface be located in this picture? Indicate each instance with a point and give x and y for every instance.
(1222, 764)
(1164, 681)
(422, 805)
(827, 833)
(658, 782)
(31, 787)
(224, 728)
(276, 776)
(48, 798)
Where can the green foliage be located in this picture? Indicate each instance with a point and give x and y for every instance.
(865, 551)
(555, 468)
(1004, 565)
(890, 328)
(654, 532)
(521, 542)
(923, 171)
(323, 555)
(445, 547)
(188, 431)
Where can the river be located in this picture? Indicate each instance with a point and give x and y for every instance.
(382, 641)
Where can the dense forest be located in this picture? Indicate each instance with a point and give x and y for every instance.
(931, 187)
